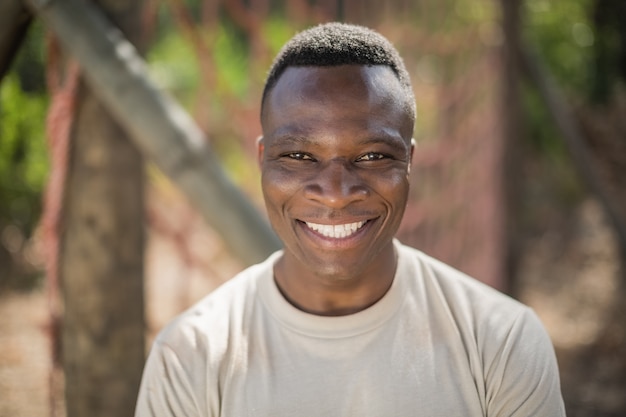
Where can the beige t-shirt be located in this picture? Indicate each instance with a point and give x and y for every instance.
(437, 344)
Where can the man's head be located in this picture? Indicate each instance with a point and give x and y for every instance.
(336, 151)
(334, 44)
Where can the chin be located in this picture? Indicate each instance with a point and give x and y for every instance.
(335, 269)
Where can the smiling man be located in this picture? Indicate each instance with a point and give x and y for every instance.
(335, 160)
(345, 320)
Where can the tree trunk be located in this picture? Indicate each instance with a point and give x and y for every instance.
(102, 258)
(513, 134)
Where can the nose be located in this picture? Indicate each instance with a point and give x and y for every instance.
(336, 185)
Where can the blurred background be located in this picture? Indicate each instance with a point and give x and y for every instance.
(519, 179)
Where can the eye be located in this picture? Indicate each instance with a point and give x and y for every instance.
(371, 156)
(299, 156)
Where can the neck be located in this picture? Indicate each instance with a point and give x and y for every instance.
(327, 295)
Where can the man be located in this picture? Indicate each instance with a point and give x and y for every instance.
(346, 321)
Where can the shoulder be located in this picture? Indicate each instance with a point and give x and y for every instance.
(191, 353)
(481, 315)
(208, 324)
(506, 344)
(462, 294)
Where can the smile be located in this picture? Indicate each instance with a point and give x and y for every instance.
(336, 231)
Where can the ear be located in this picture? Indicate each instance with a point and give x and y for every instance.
(260, 150)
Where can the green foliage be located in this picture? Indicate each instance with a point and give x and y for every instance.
(555, 171)
(237, 82)
(609, 69)
(174, 66)
(23, 160)
(23, 154)
(231, 59)
(473, 12)
(562, 31)
(563, 36)
(277, 31)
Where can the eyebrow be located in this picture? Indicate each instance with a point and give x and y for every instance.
(389, 140)
(289, 140)
(292, 138)
(302, 139)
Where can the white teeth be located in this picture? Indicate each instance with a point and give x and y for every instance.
(337, 231)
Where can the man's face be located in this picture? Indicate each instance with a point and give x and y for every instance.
(335, 160)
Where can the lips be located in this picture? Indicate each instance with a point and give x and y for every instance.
(335, 231)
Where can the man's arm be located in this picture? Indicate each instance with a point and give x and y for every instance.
(522, 380)
(166, 389)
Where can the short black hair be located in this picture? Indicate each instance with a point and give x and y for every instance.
(333, 44)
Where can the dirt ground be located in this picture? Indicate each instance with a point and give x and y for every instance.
(568, 276)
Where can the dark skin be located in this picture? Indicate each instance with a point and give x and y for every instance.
(335, 159)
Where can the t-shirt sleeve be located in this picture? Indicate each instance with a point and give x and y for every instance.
(166, 388)
(522, 379)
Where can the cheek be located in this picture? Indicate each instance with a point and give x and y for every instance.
(393, 187)
(278, 186)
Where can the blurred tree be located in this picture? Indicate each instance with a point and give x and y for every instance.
(14, 22)
(609, 48)
(513, 135)
(602, 118)
(102, 257)
(583, 43)
(583, 91)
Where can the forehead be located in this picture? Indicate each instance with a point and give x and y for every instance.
(312, 81)
(339, 94)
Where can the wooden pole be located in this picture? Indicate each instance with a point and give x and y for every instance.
(160, 127)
